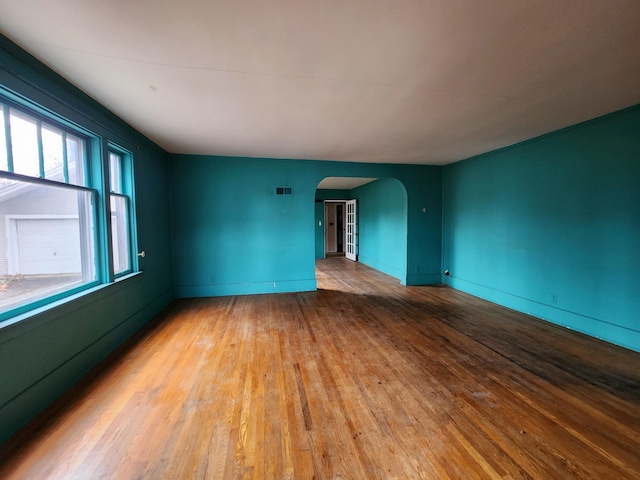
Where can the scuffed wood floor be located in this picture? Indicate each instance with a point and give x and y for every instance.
(362, 379)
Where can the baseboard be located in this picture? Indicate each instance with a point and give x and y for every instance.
(381, 267)
(593, 327)
(225, 289)
(423, 279)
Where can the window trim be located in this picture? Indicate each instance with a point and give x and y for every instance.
(95, 168)
(32, 110)
(127, 184)
(129, 243)
(32, 305)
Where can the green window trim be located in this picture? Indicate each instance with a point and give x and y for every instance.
(123, 190)
(95, 223)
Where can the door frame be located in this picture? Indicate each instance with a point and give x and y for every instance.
(344, 225)
(351, 224)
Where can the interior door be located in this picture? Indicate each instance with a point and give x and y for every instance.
(352, 231)
(339, 228)
(329, 228)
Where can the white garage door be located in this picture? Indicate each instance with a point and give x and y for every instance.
(48, 246)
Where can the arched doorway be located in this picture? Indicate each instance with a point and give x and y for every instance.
(380, 230)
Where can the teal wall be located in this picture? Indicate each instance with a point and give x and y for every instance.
(551, 227)
(47, 351)
(233, 235)
(382, 226)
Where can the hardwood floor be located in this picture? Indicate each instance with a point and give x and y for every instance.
(362, 379)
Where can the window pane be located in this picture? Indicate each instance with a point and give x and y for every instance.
(75, 160)
(52, 152)
(4, 164)
(24, 144)
(120, 233)
(46, 241)
(115, 172)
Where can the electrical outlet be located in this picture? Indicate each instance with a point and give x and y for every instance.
(554, 298)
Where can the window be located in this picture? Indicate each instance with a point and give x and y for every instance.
(53, 210)
(120, 212)
(38, 149)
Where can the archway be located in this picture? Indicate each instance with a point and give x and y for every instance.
(381, 230)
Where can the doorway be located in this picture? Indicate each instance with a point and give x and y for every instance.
(334, 228)
(379, 232)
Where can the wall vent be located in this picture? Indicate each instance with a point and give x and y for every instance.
(284, 191)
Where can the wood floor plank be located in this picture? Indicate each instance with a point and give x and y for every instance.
(362, 379)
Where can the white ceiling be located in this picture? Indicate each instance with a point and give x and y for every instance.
(343, 183)
(394, 81)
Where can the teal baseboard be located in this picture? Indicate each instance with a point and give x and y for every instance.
(424, 279)
(381, 267)
(254, 288)
(593, 327)
(15, 413)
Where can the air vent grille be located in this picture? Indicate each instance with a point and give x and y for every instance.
(284, 191)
